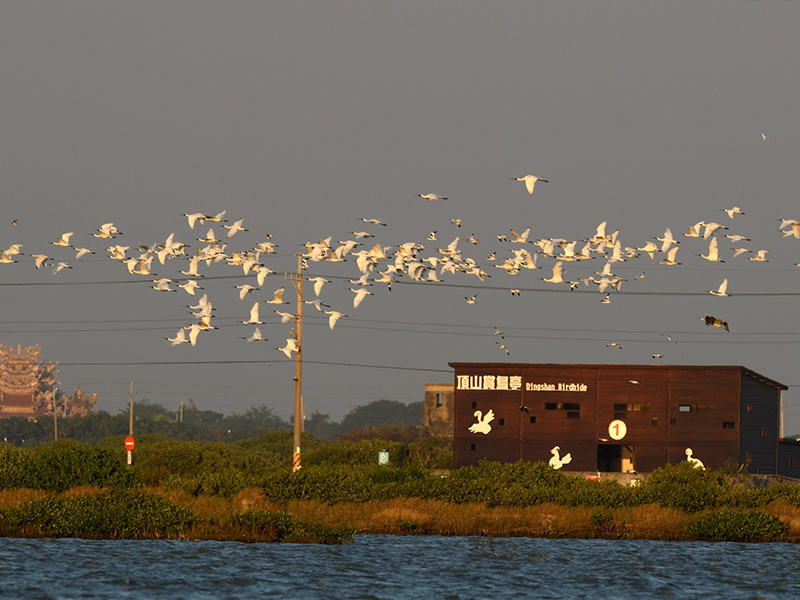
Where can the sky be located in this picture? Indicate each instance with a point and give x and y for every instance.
(303, 118)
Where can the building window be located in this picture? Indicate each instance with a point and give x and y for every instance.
(673, 421)
(654, 421)
(749, 408)
(728, 425)
(763, 433)
(684, 408)
(502, 421)
(439, 400)
(474, 405)
(791, 462)
(748, 456)
(562, 406)
(533, 419)
(472, 447)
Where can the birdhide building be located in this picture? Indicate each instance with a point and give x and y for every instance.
(619, 418)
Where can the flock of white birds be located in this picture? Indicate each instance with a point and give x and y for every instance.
(376, 264)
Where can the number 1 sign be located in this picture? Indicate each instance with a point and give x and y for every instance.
(617, 429)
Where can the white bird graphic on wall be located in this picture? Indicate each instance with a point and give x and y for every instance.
(482, 426)
(695, 462)
(557, 461)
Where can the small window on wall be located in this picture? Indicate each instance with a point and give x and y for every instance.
(749, 408)
(533, 419)
(654, 421)
(439, 400)
(763, 433)
(791, 463)
(673, 421)
(684, 408)
(728, 425)
(472, 447)
(748, 456)
(502, 422)
(474, 405)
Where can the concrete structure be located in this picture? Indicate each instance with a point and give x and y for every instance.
(437, 412)
(619, 418)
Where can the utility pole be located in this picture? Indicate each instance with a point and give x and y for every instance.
(297, 281)
(55, 414)
(130, 428)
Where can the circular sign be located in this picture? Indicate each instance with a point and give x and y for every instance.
(129, 443)
(617, 429)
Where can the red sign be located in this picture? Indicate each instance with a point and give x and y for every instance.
(129, 443)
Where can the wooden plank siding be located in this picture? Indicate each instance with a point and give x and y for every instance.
(664, 408)
(760, 426)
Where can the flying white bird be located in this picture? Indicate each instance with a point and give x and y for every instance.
(40, 260)
(180, 338)
(291, 346)
(737, 238)
(711, 228)
(190, 286)
(558, 274)
(359, 295)
(60, 266)
(432, 197)
(285, 317)
(254, 317)
(530, 181)
(235, 228)
(63, 240)
(694, 230)
(162, 285)
(245, 289)
(722, 290)
(713, 254)
(277, 297)
(318, 283)
(106, 230)
(761, 256)
(520, 238)
(733, 211)
(333, 316)
(256, 337)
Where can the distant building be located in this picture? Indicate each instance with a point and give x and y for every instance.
(619, 418)
(29, 389)
(437, 412)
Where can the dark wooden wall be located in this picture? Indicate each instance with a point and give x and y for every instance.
(666, 409)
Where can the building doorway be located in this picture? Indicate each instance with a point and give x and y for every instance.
(615, 458)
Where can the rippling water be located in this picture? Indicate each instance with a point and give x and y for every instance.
(379, 566)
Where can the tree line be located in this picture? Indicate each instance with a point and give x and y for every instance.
(192, 423)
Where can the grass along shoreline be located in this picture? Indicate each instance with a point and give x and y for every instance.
(249, 516)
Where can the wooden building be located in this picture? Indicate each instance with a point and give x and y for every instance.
(616, 418)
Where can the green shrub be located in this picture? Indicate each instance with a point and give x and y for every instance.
(63, 465)
(736, 525)
(282, 526)
(686, 488)
(111, 514)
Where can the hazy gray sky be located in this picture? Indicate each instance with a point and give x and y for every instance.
(302, 118)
